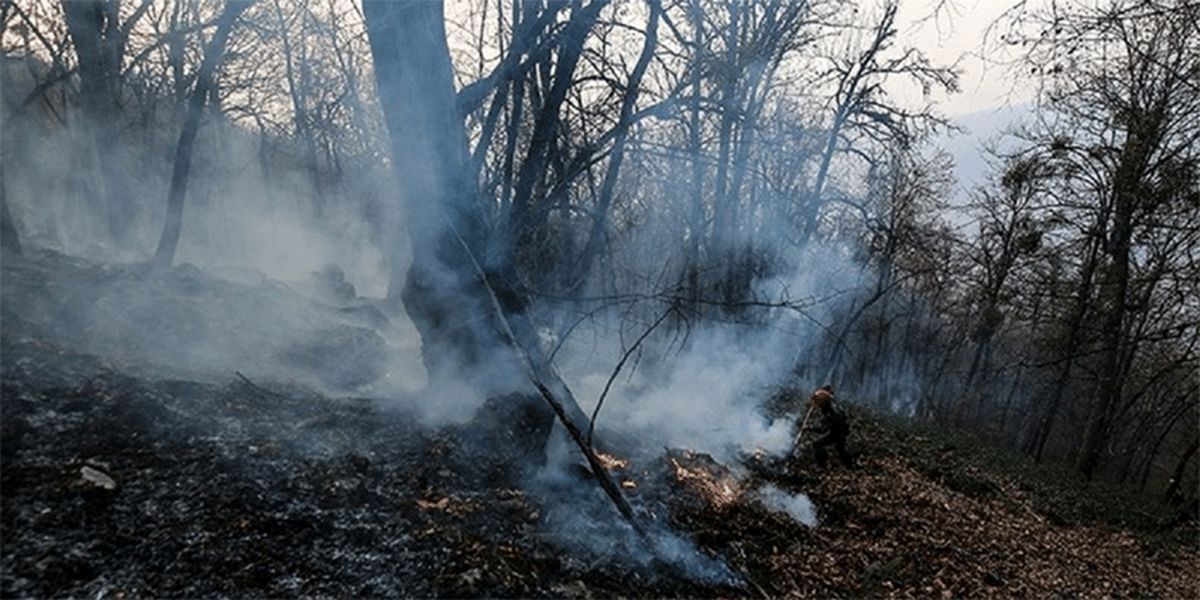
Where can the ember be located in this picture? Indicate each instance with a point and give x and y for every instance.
(703, 475)
(610, 462)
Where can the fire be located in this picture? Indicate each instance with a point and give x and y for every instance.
(709, 479)
(611, 462)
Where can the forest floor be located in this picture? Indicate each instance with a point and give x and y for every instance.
(115, 482)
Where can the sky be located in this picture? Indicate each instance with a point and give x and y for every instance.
(957, 33)
(990, 99)
(948, 32)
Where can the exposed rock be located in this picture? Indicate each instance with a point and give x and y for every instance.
(97, 479)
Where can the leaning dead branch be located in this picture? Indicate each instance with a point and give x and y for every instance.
(520, 334)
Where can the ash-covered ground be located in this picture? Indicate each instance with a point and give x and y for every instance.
(152, 472)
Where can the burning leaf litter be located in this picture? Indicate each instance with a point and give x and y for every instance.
(116, 484)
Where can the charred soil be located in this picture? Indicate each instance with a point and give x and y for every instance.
(117, 483)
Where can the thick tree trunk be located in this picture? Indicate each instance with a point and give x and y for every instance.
(99, 39)
(169, 241)
(441, 294)
(473, 323)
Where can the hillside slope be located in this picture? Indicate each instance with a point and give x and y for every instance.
(116, 482)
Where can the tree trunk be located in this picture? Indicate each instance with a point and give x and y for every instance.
(10, 242)
(524, 221)
(99, 40)
(431, 160)
(696, 224)
(169, 241)
(595, 244)
(1045, 415)
(1141, 139)
(473, 323)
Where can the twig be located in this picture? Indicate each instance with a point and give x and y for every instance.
(259, 388)
(617, 371)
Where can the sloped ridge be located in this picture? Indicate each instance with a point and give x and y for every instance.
(186, 321)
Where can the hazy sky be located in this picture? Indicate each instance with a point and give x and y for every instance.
(948, 32)
(990, 99)
(958, 34)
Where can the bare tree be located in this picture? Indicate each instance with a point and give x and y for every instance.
(859, 103)
(169, 242)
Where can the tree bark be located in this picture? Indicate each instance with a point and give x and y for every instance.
(473, 323)
(431, 160)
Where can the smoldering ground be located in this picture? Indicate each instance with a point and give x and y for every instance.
(272, 309)
(279, 284)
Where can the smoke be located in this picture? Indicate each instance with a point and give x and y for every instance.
(281, 278)
(797, 506)
(581, 519)
(274, 278)
(703, 386)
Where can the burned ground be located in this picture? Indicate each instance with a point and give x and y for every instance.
(116, 482)
(236, 489)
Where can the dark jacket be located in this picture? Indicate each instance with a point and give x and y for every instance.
(832, 419)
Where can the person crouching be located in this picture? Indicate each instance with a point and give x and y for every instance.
(833, 426)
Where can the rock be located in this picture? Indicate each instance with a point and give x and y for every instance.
(97, 479)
